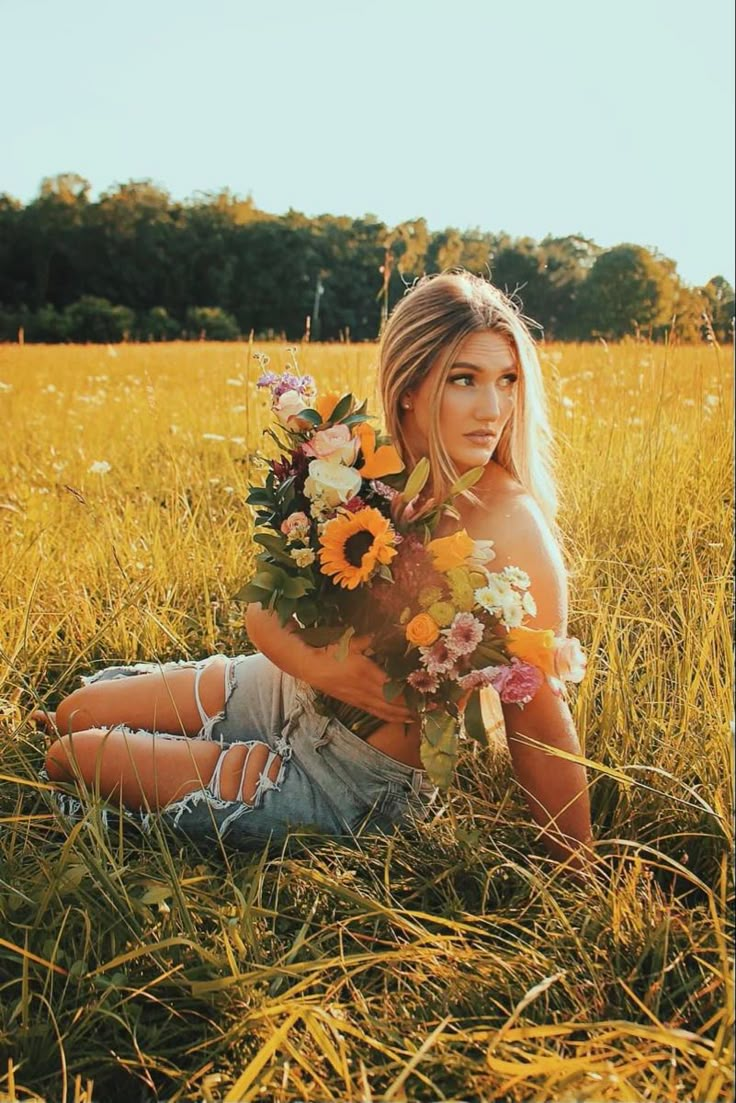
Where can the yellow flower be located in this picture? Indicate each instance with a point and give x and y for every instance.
(421, 630)
(533, 645)
(443, 612)
(450, 551)
(377, 462)
(353, 544)
(461, 588)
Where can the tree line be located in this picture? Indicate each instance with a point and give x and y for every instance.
(138, 265)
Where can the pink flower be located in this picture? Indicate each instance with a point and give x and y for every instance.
(296, 522)
(439, 658)
(423, 681)
(476, 679)
(336, 444)
(517, 683)
(464, 634)
(570, 659)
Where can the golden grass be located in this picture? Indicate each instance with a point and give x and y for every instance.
(458, 965)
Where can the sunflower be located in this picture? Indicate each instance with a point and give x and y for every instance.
(352, 545)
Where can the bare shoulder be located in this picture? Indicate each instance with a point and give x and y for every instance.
(522, 538)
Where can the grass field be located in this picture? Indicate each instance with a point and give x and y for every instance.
(458, 965)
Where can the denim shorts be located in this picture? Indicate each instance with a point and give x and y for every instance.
(329, 781)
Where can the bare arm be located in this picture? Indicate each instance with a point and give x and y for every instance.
(354, 679)
(556, 790)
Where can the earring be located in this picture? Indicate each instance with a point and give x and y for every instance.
(407, 404)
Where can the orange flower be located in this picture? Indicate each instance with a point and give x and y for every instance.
(450, 551)
(377, 461)
(422, 630)
(325, 404)
(533, 645)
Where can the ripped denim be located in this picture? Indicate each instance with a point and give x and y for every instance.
(329, 781)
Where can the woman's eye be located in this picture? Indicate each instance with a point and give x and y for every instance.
(511, 377)
(461, 379)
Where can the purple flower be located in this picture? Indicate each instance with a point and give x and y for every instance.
(517, 683)
(423, 681)
(464, 634)
(268, 379)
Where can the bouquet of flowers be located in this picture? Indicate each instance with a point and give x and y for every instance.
(348, 546)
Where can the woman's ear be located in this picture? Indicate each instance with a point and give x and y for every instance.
(407, 402)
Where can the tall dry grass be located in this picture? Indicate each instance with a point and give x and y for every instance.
(455, 965)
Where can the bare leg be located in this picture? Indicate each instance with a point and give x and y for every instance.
(149, 772)
(163, 701)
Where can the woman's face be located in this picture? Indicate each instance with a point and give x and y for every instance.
(476, 401)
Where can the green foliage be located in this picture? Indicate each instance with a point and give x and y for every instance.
(97, 320)
(139, 248)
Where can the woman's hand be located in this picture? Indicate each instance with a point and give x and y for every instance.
(355, 679)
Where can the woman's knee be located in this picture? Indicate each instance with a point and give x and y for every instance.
(66, 757)
(73, 713)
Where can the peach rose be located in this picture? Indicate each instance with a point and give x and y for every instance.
(287, 408)
(451, 551)
(335, 444)
(421, 630)
(570, 660)
(535, 646)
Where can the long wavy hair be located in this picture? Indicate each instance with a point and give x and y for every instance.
(424, 332)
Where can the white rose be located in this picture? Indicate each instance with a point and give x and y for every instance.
(287, 409)
(332, 483)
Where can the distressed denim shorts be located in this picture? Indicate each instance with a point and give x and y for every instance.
(329, 782)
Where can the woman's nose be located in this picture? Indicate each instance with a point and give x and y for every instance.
(487, 407)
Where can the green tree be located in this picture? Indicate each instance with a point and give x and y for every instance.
(629, 291)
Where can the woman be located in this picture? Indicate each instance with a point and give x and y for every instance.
(241, 752)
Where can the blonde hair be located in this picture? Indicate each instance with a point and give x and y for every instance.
(424, 331)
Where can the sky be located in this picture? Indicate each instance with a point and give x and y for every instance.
(533, 117)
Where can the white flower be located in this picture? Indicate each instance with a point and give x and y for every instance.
(303, 557)
(493, 596)
(238, 409)
(516, 577)
(712, 400)
(529, 605)
(100, 467)
(482, 553)
(512, 613)
(5, 386)
(234, 382)
(332, 483)
(212, 436)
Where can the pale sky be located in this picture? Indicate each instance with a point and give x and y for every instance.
(610, 119)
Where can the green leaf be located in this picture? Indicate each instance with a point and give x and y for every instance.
(343, 408)
(259, 496)
(297, 587)
(416, 481)
(438, 748)
(470, 478)
(355, 419)
(312, 416)
(343, 646)
(391, 690)
(473, 719)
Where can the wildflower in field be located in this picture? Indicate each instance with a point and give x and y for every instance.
(212, 436)
(99, 467)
